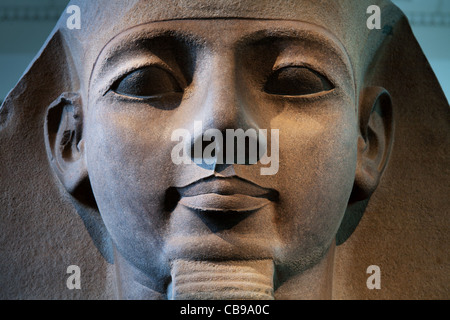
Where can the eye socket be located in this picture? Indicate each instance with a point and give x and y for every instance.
(296, 81)
(147, 82)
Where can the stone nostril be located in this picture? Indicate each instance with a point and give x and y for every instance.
(227, 147)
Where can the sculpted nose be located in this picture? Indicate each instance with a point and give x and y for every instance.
(227, 133)
(223, 103)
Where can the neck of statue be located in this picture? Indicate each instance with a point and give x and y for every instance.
(133, 284)
(313, 284)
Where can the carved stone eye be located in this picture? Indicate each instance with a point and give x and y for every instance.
(296, 81)
(148, 82)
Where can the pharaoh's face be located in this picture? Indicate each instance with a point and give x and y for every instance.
(227, 74)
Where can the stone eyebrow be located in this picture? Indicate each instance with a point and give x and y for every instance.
(316, 34)
(127, 44)
(327, 43)
(138, 39)
(138, 36)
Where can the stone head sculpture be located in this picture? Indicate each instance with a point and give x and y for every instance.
(107, 109)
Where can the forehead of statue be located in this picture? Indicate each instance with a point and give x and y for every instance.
(226, 41)
(108, 17)
(103, 20)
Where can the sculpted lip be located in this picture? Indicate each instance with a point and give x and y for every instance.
(226, 194)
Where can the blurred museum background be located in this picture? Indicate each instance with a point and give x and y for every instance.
(25, 24)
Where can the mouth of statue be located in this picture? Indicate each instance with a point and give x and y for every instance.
(212, 202)
(215, 194)
(221, 242)
(221, 280)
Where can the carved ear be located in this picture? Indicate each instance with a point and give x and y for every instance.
(63, 137)
(375, 141)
